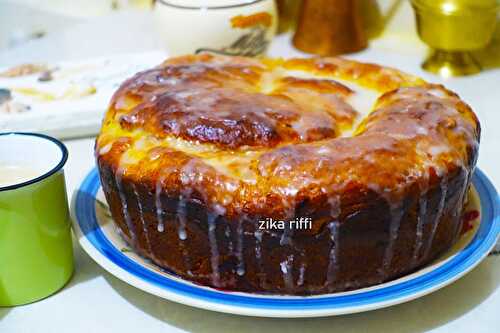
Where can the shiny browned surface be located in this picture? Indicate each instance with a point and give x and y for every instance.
(224, 142)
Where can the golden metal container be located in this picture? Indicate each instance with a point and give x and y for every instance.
(453, 28)
(330, 27)
(288, 11)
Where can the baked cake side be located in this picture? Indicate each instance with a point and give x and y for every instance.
(195, 152)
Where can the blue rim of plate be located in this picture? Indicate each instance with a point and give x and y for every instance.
(462, 262)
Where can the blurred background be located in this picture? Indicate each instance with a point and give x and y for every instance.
(22, 20)
(25, 20)
(62, 60)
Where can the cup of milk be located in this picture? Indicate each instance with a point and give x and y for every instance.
(229, 27)
(36, 256)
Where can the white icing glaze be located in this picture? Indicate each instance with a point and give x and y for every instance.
(106, 148)
(240, 267)
(123, 200)
(227, 233)
(141, 217)
(302, 271)
(258, 247)
(422, 214)
(333, 227)
(396, 212)
(181, 213)
(214, 250)
(286, 270)
(437, 219)
(159, 209)
(457, 213)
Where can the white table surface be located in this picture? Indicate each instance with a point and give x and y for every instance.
(95, 301)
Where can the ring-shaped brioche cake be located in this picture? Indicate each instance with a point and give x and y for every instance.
(195, 153)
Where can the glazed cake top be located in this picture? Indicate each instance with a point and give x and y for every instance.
(244, 134)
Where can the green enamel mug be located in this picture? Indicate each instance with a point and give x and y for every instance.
(36, 256)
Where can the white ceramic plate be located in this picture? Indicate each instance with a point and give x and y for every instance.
(98, 236)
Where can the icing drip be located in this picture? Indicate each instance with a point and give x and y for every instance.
(258, 250)
(240, 268)
(158, 191)
(227, 233)
(159, 209)
(332, 256)
(182, 214)
(214, 250)
(444, 189)
(118, 179)
(141, 217)
(286, 236)
(334, 239)
(422, 213)
(334, 203)
(290, 203)
(302, 271)
(106, 148)
(286, 269)
(181, 231)
(396, 212)
(460, 204)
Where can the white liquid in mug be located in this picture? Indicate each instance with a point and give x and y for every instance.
(16, 174)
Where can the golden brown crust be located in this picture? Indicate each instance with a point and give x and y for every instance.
(238, 139)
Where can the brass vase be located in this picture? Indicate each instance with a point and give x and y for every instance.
(453, 29)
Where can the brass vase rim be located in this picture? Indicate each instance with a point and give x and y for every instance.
(470, 10)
